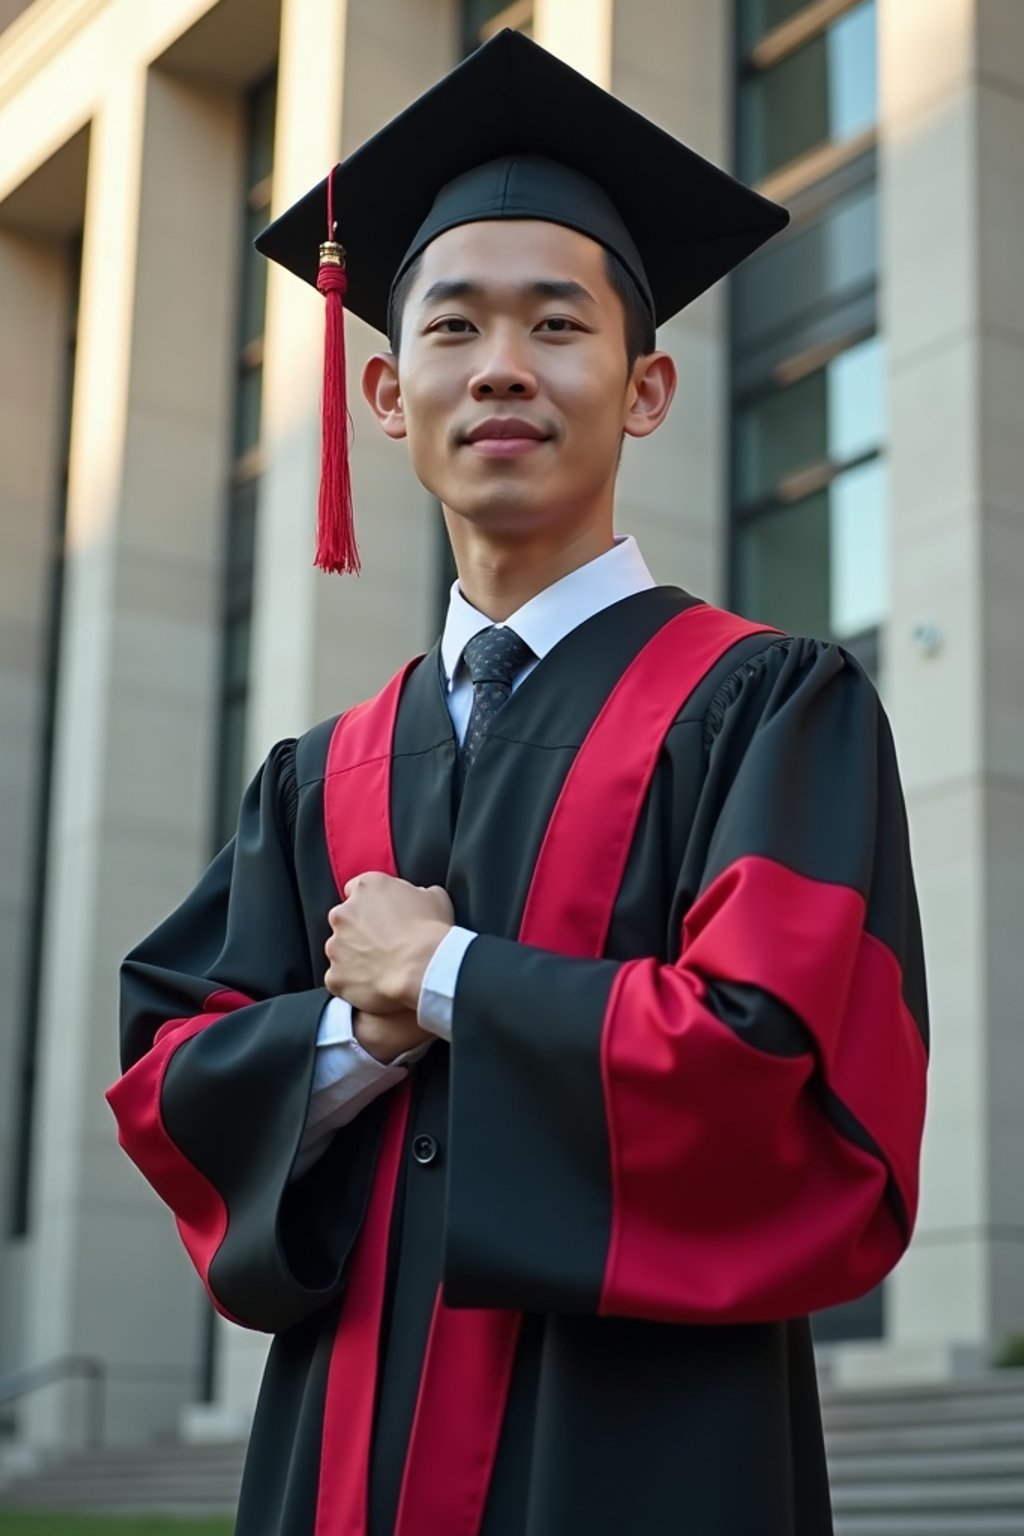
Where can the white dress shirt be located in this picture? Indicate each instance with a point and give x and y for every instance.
(346, 1078)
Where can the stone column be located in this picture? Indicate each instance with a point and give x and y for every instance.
(674, 64)
(952, 185)
(322, 642)
(34, 322)
(137, 699)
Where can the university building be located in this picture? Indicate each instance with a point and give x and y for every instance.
(845, 457)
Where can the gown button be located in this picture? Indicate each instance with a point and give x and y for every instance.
(425, 1149)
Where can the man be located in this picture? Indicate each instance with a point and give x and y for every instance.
(616, 1070)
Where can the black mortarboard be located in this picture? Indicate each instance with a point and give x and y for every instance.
(513, 132)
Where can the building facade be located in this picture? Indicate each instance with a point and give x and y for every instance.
(846, 457)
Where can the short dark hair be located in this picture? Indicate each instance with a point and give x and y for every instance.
(640, 333)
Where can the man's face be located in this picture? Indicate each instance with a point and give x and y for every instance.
(512, 376)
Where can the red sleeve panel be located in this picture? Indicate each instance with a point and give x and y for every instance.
(749, 1184)
(137, 1102)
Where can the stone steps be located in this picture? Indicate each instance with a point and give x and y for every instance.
(931, 1461)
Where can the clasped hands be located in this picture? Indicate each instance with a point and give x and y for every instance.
(383, 936)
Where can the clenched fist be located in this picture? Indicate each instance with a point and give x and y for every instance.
(382, 938)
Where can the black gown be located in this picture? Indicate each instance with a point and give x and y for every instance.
(639, 1166)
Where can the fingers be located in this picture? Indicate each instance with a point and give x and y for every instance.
(369, 877)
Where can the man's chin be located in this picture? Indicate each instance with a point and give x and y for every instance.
(506, 508)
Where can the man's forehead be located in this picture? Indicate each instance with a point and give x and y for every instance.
(509, 252)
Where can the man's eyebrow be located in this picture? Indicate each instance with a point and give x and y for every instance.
(541, 288)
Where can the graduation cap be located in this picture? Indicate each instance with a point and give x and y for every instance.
(511, 133)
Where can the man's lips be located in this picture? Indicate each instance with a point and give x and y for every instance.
(505, 437)
(498, 428)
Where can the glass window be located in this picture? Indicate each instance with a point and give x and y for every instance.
(831, 416)
(259, 157)
(254, 279)
(782, 562)
(231, 767)
(240, 524)
(241, 536)
(819, 566)
(858, 554)
(248, 400)
(478, 14)
(794, 279)
(822, 93)
(760, 16)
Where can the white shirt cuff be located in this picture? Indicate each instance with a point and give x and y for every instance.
(437, 993)
(345, 1079)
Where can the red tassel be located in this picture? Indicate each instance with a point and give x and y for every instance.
(336, 548)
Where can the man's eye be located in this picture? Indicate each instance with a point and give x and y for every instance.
(452, 325)
(560, 324)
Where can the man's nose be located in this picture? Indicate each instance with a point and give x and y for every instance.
(505, 371)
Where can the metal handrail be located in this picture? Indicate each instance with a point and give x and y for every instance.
(31, 1378)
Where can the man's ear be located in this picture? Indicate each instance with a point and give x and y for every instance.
(382, 392)
(650, 394)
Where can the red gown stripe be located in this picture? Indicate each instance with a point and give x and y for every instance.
(136, 1100)
(457, 1421)
(342, 1498)
(357, 821)
(471, 1351)
(778, 1213)
(577, 877)
(358, 773)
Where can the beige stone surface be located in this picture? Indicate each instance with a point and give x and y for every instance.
(1000, 207)
(940, 1291)
(1002, 568)
(935, 428)
(937, 707)
(1000, 44)
(1006, 1311)
(1001, 415)
(928, 254)
(1004, 890)
(927, 51)
(948, 833)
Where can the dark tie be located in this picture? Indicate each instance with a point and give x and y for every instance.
(493, 658)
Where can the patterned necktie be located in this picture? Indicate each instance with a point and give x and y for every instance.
(493, 658)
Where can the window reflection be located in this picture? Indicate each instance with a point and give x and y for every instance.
(858, 578)
(759, 16)
(833, 415)
(824, 92)
(824, 263)
(819, 566)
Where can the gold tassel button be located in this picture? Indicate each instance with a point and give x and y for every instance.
(332, 254)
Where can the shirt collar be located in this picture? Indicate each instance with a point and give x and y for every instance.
(554, 613)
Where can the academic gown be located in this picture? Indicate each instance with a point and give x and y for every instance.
(643, 1161)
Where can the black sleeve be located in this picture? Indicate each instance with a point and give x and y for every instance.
(219, 1015)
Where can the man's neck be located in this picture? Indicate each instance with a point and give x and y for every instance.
(499, 578)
